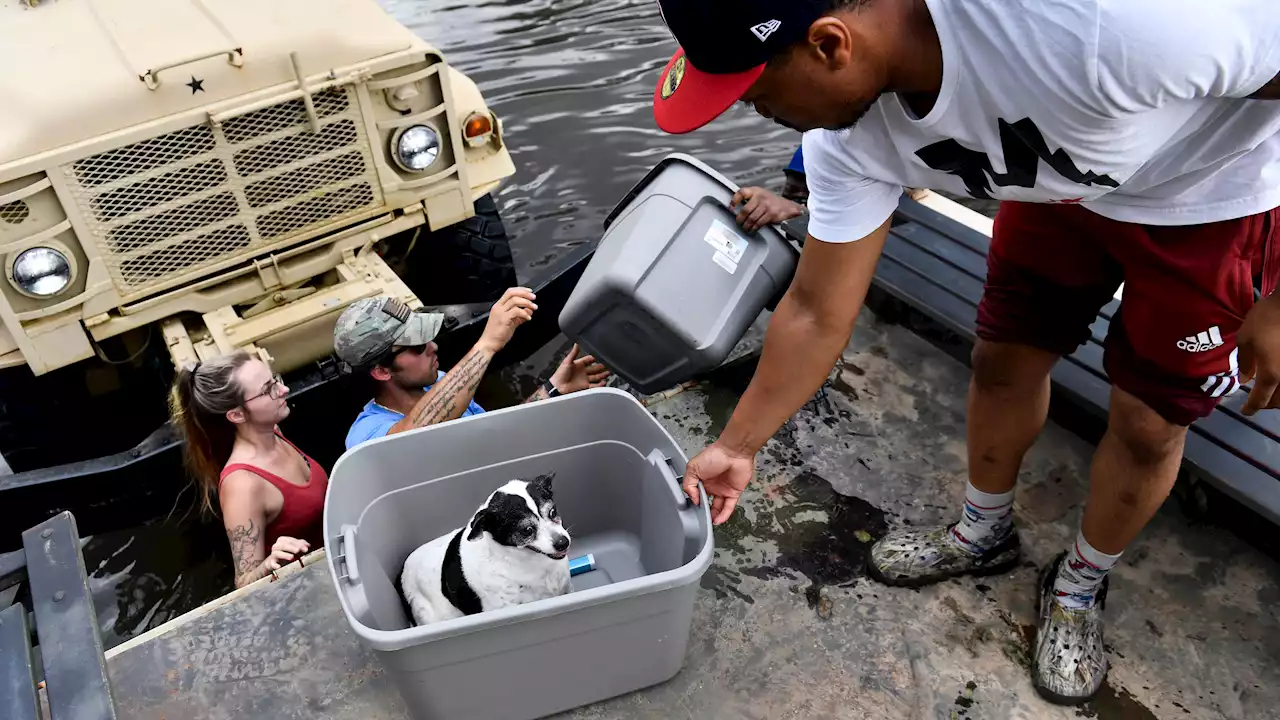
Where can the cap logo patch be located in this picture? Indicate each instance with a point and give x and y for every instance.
(396, 309)
(765, 29)
(672, 81)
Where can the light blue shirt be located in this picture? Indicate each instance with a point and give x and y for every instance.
(375, 420)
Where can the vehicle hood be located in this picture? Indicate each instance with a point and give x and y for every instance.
(72, 67)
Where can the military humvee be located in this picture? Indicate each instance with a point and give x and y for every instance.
(179, 178)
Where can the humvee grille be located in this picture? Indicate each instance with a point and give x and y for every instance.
(14, 212)
(174, 204)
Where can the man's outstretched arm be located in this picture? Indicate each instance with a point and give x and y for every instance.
(805, 337)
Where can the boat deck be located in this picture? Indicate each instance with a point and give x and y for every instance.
(786, 624)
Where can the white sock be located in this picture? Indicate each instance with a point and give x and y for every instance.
(987, 520)
(1081, 573)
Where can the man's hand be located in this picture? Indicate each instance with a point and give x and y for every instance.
(724, 474)
(512, 310)
(761, 207)
(1259, 343)
(579, 373)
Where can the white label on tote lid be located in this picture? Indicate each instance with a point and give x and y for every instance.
(729, 245)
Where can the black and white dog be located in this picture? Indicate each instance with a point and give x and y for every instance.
(514, 550)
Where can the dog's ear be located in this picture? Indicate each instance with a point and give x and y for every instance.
(479, 524)
(540, 490)
(542, 484)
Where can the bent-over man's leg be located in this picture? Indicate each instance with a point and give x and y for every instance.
(1133, 470)
(1171, 357)
(1046, 281)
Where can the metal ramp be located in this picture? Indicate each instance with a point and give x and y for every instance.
(74, 677)
(937, 265)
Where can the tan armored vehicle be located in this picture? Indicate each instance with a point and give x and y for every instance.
(179, 178)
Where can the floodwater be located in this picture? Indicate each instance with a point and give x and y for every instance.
(573, 82)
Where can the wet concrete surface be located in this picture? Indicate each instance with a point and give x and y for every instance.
(787, 625)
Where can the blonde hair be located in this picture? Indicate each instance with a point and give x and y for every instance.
(202, 396)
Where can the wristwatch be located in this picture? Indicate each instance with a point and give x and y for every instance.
(551, 389)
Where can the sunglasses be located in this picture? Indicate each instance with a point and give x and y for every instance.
(388, 359)
(272, 388)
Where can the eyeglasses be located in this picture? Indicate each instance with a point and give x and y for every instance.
(272, 388)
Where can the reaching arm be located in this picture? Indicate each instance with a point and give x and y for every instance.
(805, 337)
(448, 398)
(574, 374)
(244, 516)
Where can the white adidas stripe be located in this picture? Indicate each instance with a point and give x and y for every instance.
(1222, 386)
(1225, 383)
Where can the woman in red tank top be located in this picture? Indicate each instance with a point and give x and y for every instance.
(271, 493)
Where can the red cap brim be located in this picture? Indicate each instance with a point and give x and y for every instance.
(687, 98)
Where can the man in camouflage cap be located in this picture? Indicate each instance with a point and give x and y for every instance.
(383, 338)
(368, 328)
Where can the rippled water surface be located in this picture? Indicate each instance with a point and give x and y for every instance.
(573, 82)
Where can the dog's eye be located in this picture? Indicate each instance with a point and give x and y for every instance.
(553, 516)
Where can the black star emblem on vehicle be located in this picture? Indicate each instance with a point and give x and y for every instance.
(196, 85)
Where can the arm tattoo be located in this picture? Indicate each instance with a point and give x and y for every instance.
(1270, 91)
(539, 394)
(244, 552)
(450, 396)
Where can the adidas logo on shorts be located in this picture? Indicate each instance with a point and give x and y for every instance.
(1202, 341)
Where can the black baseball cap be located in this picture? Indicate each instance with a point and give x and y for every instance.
(724, 45)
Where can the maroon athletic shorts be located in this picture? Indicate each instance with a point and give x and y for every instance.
(1187, 289)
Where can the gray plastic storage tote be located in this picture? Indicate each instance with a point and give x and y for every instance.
(675, 282)
(625, 625)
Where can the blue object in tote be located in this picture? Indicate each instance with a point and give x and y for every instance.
(583, 564)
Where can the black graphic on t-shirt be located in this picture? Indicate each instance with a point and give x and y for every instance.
(1023, 146)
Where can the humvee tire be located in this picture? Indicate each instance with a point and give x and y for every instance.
(95, 408)
(467, 262)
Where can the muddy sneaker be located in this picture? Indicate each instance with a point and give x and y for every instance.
(920, 556)
(1070, 662)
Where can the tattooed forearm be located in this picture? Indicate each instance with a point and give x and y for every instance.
(1270, 91)
(245, 558)
(449, 398)
(539, 394)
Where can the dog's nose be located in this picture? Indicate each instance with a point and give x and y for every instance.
(560, 543)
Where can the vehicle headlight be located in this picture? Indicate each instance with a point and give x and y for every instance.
(42, 271)
(416, 148)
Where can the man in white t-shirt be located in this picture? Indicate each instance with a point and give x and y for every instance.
(1133, 141)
